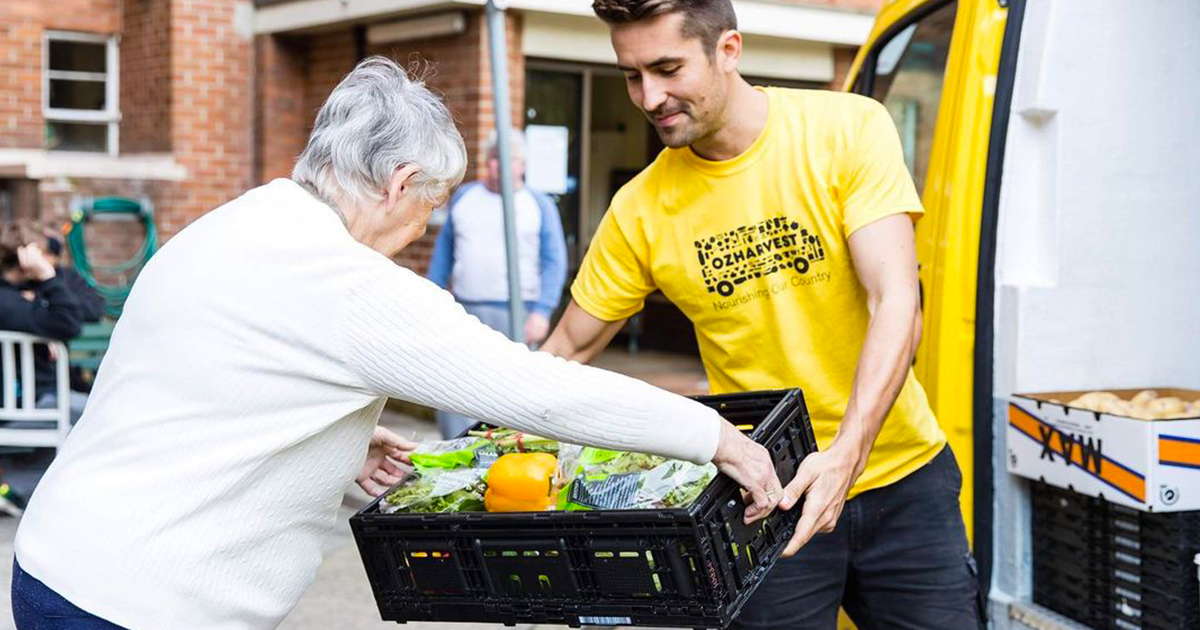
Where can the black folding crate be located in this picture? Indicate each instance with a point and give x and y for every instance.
(1113, 567)
(1057, 588)
(692, 567)
(1111, 603)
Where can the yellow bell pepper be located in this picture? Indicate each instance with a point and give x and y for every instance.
(520, 482)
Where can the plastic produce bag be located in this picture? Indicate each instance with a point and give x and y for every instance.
(438, 490)
(450, 454)
(599, 479)
(479, 449)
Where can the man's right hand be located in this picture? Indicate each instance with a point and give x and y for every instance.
(33, 262)
(749, 463)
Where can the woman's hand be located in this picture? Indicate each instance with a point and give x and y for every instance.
(380, 472)
(748, 463)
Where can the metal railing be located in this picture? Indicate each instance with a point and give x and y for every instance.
(19, 400)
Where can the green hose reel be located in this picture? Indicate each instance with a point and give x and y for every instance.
(111, 209)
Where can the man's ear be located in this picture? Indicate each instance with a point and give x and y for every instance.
(729, 50)
(401, 183)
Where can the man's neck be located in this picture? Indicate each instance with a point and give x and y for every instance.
(744, 120)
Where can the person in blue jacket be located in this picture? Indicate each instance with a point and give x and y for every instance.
(470, 260)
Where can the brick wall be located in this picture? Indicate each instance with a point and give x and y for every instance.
(186, 79)
(211, 101)
(22, 24)
(20, 74)
(146, 77)
(282, 117)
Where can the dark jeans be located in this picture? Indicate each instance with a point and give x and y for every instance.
(898, 558)
(37, 607)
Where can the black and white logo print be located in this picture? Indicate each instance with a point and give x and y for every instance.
(752, 251)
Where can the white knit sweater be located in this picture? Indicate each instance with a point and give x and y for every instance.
(234, 407)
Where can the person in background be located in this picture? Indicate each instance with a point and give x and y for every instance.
(90, 304)
(35, 300)
(87, 300)
(470, 256)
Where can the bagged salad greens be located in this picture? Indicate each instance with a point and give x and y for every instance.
(600, 479)
(438, 490)
(451, 476)
(480, 449)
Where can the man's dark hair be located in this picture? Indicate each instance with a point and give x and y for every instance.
(705, 20)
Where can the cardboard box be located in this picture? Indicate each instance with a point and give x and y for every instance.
(1151, 465)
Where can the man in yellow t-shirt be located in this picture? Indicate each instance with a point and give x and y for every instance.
(781, 223)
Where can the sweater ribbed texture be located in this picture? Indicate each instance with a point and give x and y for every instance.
(236, 400)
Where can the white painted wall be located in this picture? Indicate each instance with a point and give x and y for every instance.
(1098, 267)
(1099, 244)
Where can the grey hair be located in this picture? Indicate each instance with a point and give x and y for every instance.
(375, 121)
(516, 142)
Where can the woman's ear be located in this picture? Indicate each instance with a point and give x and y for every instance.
(401, 182)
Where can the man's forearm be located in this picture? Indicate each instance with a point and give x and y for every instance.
(883, 366)
(580, 336)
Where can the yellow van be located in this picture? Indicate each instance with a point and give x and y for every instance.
(1054, 143)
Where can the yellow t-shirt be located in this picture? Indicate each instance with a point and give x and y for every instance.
(754, 251)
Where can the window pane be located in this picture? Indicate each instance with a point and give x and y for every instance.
(65, 94)
(909, 71)
(64, 136)
(77, 56)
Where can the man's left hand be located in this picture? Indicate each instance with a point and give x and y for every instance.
(824, 479)
(537, 326)
(380, 472)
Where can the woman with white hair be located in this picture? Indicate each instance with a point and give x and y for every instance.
(248, 371)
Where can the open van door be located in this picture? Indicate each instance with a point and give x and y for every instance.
(1056, 147)
(944, 70)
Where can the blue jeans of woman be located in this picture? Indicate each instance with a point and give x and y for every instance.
(36, 606)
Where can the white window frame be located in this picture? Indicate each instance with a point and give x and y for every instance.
(111, 78)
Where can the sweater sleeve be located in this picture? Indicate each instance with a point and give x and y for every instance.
(407, 340)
